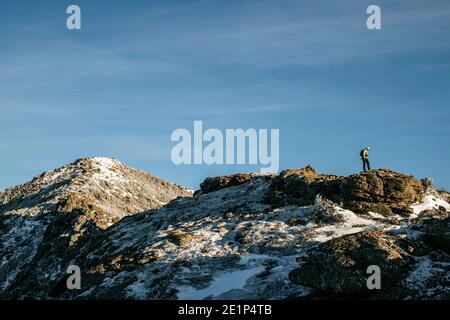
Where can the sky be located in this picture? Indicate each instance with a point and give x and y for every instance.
(137, 70)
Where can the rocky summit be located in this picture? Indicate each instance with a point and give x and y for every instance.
(294, 235)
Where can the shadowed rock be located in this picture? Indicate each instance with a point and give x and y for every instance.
(436, 233)
(340, 265)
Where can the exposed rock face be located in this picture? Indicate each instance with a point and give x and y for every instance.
(436, 233)
(300, 187)
(382, 191)
(216, 183)
(340, 265)
(135, 236)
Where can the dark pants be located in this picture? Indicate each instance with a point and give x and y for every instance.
(365, 161)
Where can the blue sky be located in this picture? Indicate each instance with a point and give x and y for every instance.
(140, 69)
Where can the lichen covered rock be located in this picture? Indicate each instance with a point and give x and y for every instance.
(300, 187)
(383, 191)
(340, 265)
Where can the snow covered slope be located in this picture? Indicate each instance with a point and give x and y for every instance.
(45, 216)
(229, 241)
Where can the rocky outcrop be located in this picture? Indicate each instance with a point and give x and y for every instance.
(212, 184)
(300, 187)
(436, 233)
(382, 191)
(340, 265)
(412, 262)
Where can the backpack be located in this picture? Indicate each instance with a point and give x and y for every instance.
(361, 153)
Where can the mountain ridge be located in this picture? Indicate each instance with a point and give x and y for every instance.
(243, 236)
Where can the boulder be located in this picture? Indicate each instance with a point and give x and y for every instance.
(300, 187)
(383, 191)
(340, 265)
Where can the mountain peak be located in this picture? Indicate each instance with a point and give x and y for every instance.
(103, 190)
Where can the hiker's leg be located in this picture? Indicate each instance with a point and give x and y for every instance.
(364, 164)
(368, 164)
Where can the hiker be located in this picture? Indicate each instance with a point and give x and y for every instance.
(365, 158)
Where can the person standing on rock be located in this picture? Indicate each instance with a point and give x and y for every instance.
(365, 158)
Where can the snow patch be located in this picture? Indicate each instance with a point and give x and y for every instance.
(107, 172)
(428, 278)
(429, 203)
(376, 215)
(352, 224)
(221, 284)
(418, 277)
